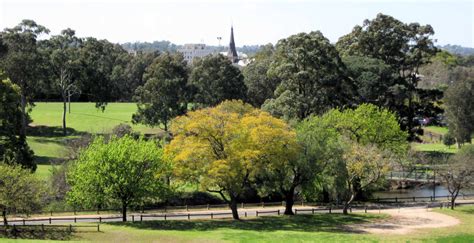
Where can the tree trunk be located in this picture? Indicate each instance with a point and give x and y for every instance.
(23, 115)
(64, 114)
(347, 204)
(124, 212)
(233, 207)
(289, 201)
(4, 214)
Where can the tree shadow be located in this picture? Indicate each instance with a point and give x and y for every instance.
(36, 233)
(47, 131)
(304, 223)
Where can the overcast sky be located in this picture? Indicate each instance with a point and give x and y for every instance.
(255, 22)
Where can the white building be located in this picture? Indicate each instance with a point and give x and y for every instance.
(192, 51)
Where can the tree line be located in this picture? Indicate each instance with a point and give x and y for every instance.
(311, 114)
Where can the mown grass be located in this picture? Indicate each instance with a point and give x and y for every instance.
(45, 133)
(300, 228)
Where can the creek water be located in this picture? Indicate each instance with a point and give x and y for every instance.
(425, 191)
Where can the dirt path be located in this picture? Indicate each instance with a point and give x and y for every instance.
(405, 220)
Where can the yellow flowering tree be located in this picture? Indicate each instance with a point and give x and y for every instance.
(224, 147)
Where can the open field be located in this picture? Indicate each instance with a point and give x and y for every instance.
(45, 136)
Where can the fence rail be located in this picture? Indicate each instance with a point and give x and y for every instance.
(214, 215)
(246, 205)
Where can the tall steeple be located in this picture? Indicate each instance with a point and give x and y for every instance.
(232, 53)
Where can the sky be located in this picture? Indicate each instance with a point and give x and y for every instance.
(255, 22)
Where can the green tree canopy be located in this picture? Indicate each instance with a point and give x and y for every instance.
(214, 79)
(313, 77)
(23, 61)
(122, 170)
(459, 101)
(20, 191)
(165, 94)
(260, 86)
(13, 147)
(404, 48)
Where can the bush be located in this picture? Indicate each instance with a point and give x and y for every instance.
(449, 139)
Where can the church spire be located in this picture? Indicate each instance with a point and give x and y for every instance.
(232, 53)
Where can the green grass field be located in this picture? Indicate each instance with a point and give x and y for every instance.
(45, 135)
(299, 228)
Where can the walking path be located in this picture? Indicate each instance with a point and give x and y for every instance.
(405, 220)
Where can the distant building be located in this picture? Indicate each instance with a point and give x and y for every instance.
(192, 51)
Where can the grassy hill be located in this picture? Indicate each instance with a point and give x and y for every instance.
(45, 132)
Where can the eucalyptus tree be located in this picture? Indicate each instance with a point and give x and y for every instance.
(165, 94)
(459, 101)
(23, 62)
(313, 77)
(404, 48)
(65, 67)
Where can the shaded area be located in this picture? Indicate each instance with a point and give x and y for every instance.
(303, 223)
(48, 131)
(35, 232)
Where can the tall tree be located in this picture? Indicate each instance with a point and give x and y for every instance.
(165, 94)
(405, 48)
(260, 86)
(459, 101)
(13, 147)
(20, 191)
(22, 62)
(312, 77)
(122, 170)
(225, 147)
(214, 79)
(64, 61)
(103, 64)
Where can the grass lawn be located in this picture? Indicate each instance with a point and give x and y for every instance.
(300, 228)
(45, 132)
(435, 129)
(430, 147)
(84, 117)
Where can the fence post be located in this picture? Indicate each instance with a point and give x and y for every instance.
(414, 199)
(296, 211)
(75, 220)
(165, 216)
(365, 209)
(133, 218)
(49, 220)
(23, 221)
(212, 216)
(141, 218)
(100, 219)
(278, 211)
(189, 216)
(98, 227)
(329, 208)
(256, 213)
(312, 210)
(396, 199)
(246, 214)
